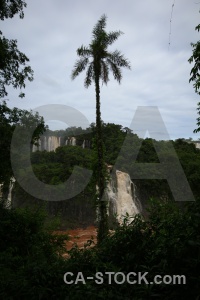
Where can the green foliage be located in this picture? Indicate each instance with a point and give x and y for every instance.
(189, 157)
(198, 119)
(13, 63)
(6, 131)
(168, 243)
(56, 167)
(195, 77)
(13, 68)
(97, 50)
(187, 153)
(30, 260)
(113, 136)
(8, 8)
(195, 69)
(61, 162)
(9, 120)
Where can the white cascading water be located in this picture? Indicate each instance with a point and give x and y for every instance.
(9, 199)
(48, 143)
(8, 202)
(122, 197)
(71, 141)
(53, 143)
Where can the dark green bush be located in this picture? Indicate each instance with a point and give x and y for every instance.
(168, 243)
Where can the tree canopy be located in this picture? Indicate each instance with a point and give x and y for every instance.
(97, 57)
(8, 8)
(195, 73)
(9, 120)
(14, 70)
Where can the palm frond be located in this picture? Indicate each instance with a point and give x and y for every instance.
(104, 72)
(117, 58)
(79, 66)
(84, 51)
(115, 70)
(97, 51)
(100, 26)
(112, 37)
(89, 75)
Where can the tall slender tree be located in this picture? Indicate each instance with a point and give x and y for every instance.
(99, 61)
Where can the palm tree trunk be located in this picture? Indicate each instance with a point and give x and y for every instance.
(101, 169)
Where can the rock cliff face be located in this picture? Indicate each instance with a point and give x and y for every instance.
(121, 193)
(122, 197)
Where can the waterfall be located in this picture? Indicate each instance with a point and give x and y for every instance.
(73, 141)
(8, 200)
(55, 142)
(45, 144)
(122, 197)
(86, 144)
(34, 148)
(48, 143)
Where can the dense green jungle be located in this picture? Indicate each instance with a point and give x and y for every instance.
(163, 240)
(121, 147)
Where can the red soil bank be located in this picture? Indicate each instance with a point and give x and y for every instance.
(79, 236)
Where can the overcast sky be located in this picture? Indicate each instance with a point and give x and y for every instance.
(52, 30)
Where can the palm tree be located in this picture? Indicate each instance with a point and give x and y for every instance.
(99, 61)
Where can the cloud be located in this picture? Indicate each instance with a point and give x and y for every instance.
(51, 32)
